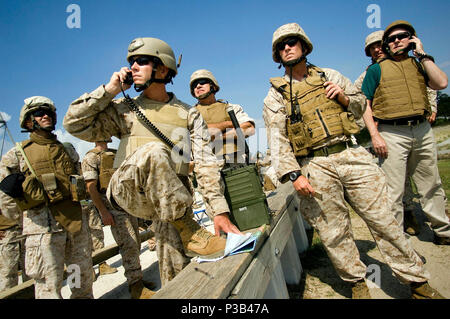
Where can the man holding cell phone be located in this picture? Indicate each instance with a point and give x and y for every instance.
(396, 117)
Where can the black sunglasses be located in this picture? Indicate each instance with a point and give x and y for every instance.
(201, 82)
(400, 36)
(141, 60)
(42, 112)
(291, 41)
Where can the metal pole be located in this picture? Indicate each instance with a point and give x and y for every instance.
(2, 121)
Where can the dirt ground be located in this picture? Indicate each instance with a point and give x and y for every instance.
(320, 280)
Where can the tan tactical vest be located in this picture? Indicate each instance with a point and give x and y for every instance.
(170, 119)
(321, 118)
(217, 113)
(106, 169)
(53, 166)
(6, 223)
(402, 91)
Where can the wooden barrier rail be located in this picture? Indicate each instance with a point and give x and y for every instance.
(262, 273)
(26, 290)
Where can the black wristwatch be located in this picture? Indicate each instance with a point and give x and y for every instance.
(424, 55)
(294, 175)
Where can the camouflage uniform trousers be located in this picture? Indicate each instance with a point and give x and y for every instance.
(12, 254)
(126, 234)
(146, 186)
(95, 226)
(46, 254)
(353, 172)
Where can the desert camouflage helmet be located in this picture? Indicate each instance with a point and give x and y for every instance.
(287, 30)
(397, 24)
(35, 103)
(203, 74)
(372, 38)
(153, 47)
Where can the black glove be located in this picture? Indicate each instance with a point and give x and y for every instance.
(11, 185)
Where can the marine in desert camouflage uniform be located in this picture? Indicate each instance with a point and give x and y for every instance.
(314, 152)
(150, 182)
(56, 233)
(95, 222)
(204, 86)
(124, 227)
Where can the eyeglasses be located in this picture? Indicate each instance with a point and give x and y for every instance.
(400, 36)
(140, 60)
(42, 112)
(201, 82)
(291, 41)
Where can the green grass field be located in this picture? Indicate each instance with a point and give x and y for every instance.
(444, 172)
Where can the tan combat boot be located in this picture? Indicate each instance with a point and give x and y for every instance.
(197, 241)
(360, 290)
(105, 269)
(410, 223)
(138, 291)
(422, 290)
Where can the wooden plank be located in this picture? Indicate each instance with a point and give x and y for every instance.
(255, 280)
(217, 279)
(290, 262)
(277, 288)
(23, 291)
(210, 280)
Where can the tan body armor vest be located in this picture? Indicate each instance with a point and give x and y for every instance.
(106, 169)
(53, 167)
(402, 91)
(171, 120)
(217, 113)
(321, 118)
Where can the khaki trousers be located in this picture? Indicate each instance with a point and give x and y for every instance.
(412, 151)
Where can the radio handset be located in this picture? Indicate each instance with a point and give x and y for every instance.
(129, 79)
(412, 45)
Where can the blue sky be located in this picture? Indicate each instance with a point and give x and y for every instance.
(41, 56)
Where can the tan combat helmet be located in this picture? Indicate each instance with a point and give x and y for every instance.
(372, 38)
(287, 30)
(35, 103)
(396, 24)
(203, 74)
(153, 47)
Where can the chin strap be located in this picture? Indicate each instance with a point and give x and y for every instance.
(36, 126)
(205, 95)
(292, 63)
(153, 79)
